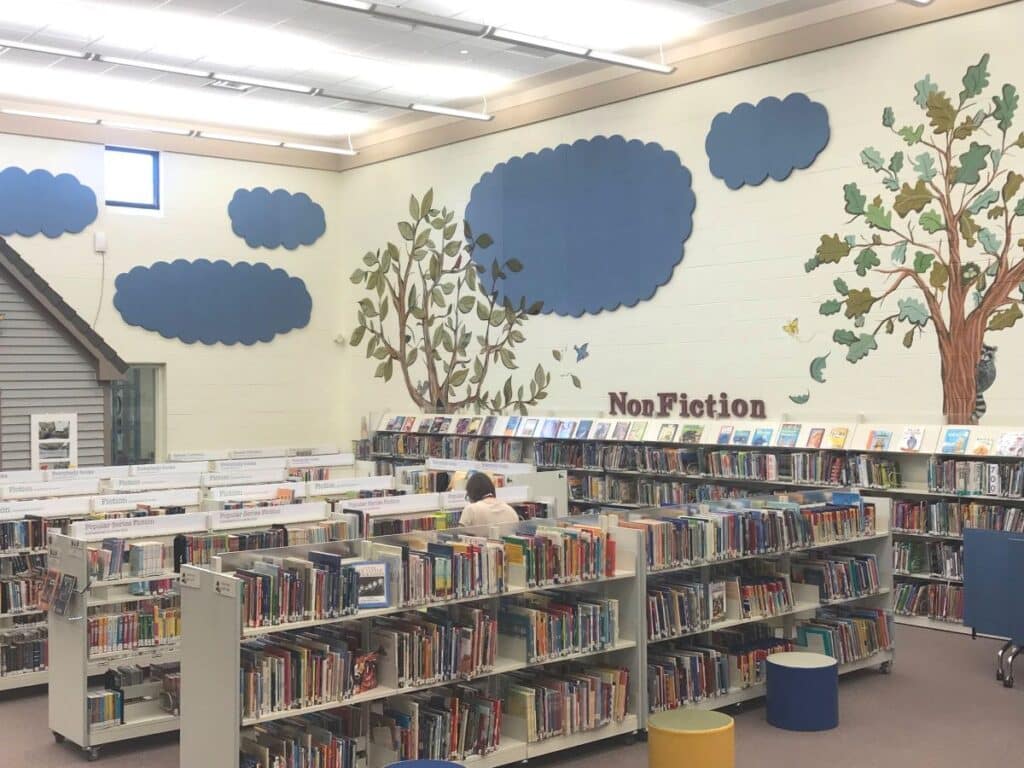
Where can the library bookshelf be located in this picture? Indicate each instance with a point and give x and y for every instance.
(34, 502)
(213, 721)
(956, 476)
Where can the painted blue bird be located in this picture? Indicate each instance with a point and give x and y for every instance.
(581, 351)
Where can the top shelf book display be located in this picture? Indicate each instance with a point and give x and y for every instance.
(923, 439)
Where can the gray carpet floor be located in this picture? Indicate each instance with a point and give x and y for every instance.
(940, 708)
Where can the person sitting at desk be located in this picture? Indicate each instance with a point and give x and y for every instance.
(484, 508)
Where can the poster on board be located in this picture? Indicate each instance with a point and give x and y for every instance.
(54, 440)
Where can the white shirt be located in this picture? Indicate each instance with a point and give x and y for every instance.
(488, 511)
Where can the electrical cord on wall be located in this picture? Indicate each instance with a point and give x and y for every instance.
(103, 283)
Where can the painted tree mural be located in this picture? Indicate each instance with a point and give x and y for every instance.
(943, 219)
(434, 316)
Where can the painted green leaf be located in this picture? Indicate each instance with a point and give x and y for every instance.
(989, 241)
(466, 304)
(858, 322)
(860, 348)
(1019, 210)
(370, 259)
(514, 265)
(975, 79)
(357, 276)
(818, 368)
(872, 158)
(1011, 186)
(891, 183)
(888, 117)
(832, 250)
(896, 162)
(931, 222)
(899, 253)
(976, 297)
(844, 337)
(908, 338)
(940, 112)
(459, 377)
(851, 240)
(969, 229)
(801, 399)
(972, 162)
(1005, 318)
(406, 231)
(969, 272)
(939, 275)
(964, 130)
(995, 212)
(890, 326)
(859, 302)
(865, 261)
(557, 354)
(855, 200)
(414, 208)
(575, 381)
(911, 135)
(1005, 107)
(996, 156)
(922, 262)
(924, 88)
(924, 166)
(912, 199)
(876, 216)
(357, 336)
(913, 311)
(811, 264)
(485, 241)
(841, 286)
(830, 307)
(983, 201)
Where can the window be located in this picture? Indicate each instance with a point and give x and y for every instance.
(132, 178)
(136, 405)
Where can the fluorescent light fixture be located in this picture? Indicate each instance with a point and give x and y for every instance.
(449, 112)
(71, 54)
(918, 2)
(537, 42)
(239, 139)
(355, 5)
(415, 18)
(631, 61)
(152, 128)
(151, 65)
(319, 148)
(51, 116)
(261, 83)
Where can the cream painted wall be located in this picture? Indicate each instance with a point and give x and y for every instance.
(284, 392)
(717, 325)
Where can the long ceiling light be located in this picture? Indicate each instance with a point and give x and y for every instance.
(631, 61)
(65, 52)
(321, 148)
(355, 5)
(169, 129)
(449, 112)
(259, 82)
(508, 36)
(170, 68)
(51, 116)
(239, 139)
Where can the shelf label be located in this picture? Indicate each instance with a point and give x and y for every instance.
(348, 484)
(242, 477)
(53, 488)
(256, 492)
(23, 476)
(497, 467)
(272, 515)
(189, 579)
(225, 586)
(390, 505)
(125, 502)
(170, 468)
(154, 525)
(156, 482)
(324, 460)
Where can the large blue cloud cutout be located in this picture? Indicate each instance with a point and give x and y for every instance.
(749, 144)
(597, 224)
(36, 202)
(213, 302)
(272, 219)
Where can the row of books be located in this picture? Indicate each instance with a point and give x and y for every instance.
(129, 627)
(950, 518)
(544, 703)
(443, 644)
(443, 724)
(545, 626)
(119, 558)
(551, 556)
(664, 493)
(282, 590)
(23, 534)
(18, 595)
(614, 490)
(23, 650)
(104, 708)
(845, 633)
(837, 575)
(319, 739)
(932, 558)
(944, 602)
(682, 605)
(312, 667)
(433, 521)
(309, 474)
(976, 477)
(689, 673)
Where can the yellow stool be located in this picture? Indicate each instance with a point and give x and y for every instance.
(690, 738)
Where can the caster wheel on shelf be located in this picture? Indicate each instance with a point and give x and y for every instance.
(999, 675)
(629, 739)
(885, 668)
(58, 737)
(94, 754)
(1008, 682)
(642, 736)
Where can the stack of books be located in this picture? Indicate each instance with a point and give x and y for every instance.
(548, 625)
(846, 634)
(837, 575)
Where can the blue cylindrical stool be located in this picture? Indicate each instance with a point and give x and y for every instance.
(803, 691)
(424, 764)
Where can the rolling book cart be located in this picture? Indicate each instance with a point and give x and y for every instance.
(223, 643)
(941, 478)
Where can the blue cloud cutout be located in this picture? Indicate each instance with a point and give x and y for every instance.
(272, 219)
(597, 224)
(213, 302)
(36, 202)
(749, 144)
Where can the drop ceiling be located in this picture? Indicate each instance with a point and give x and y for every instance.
(352, 64)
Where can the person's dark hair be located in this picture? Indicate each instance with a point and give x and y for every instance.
(479, 486)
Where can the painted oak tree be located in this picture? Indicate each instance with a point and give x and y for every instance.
(944, 220)
(434, 315)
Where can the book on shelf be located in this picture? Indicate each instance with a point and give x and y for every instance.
(529, 427)
(583, 429)
(847, 634)
(724, 435)
(691, 434)
(326, 737)
(548, 625)
(837, 575)
(911, 439)
(762, 436)
(942, 602)
(814, 437)
(1011, 444)
(667, 433)
(637, 430)
(954, 440)
(879, 439)
(789, 433)
(565, 429)
(601, 430)
(837, 437)
(474, 425)
(68, 582)
(130, 626)
(550, 428)
(621, 430)
(489, 425)
(512, 426)
(23, 649)
(373, 584)
(678, 604)
(741, 437)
